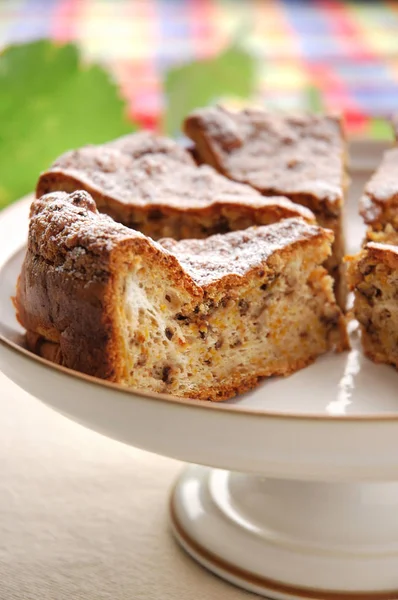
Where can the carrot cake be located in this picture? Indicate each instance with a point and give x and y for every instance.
(379, 202)
(152, 184)
(373, 277)
(196, 318)
(373, 272)
(301, 157)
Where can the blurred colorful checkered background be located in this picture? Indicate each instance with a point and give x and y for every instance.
(347, 50)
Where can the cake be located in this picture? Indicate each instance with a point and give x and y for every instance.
(379, 202)
(200, 318)
(153, 185)
(301, 157)
(373, 277)
(373, 272)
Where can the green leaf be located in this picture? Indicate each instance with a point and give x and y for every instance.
(50, 102)
(314, 101)
(380, 129)
(200, 83)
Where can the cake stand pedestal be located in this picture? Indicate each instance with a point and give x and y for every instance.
(290, 539)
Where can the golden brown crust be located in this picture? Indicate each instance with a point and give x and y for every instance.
(151, 184)
(76, 266)
(385, 253)
(371, 254)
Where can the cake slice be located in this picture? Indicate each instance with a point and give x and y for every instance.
(373, 272)
(152, 184)
(373, 277)
(379, 202)
(300, 157)
(197, 318)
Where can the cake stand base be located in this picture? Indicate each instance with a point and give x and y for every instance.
(290, 539)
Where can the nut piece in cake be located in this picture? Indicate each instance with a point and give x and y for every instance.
(373, 277)
(301, 157)
(152, 184)
(197, 318)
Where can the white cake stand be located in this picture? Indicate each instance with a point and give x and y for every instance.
(299, 495)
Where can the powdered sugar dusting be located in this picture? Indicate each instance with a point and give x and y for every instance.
(65, 229)
(274, 153)
(382, 188)
(238, 252)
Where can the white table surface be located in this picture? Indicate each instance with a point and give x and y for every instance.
(85, 518)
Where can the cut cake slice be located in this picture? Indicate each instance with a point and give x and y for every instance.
(152, 184)
(198, 318)
(301, 157)
(373, 272)
(373, 277)
(379, 202)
